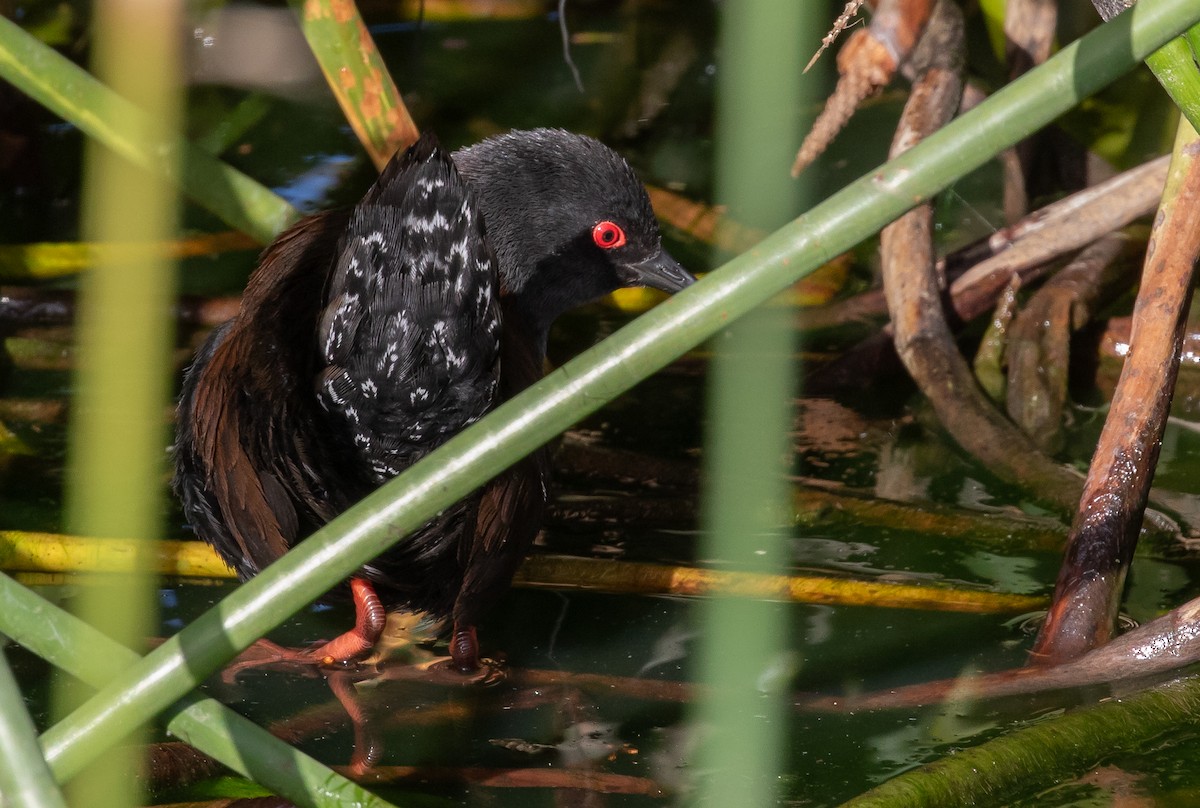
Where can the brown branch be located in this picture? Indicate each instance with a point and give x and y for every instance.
(1025, 249)
(1029, 28)
(866, 64)
(1069, 224)
(849, 12)
(1156, 649)
(541, 777)
(1105, 531)
(866, 67)
(1039, 339)
(922, 337)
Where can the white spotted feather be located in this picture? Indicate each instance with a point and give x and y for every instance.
(410, 331)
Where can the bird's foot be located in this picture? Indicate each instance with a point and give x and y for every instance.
(464, 666)
(342, 652)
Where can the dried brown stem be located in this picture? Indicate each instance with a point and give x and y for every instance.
(1105, 531)
(922, 337)
(541, 777)
(705, 223)
(1039, 339)
(1024, 249)
(1029, 28)
(848, 13)
(900, 26)
(1111, 8)
(1069, 224)
(1153, 650)
(866, 68)
(866, 64)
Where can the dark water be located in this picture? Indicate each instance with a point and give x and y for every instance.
(468, 79)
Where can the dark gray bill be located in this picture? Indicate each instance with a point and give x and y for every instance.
(660, 272)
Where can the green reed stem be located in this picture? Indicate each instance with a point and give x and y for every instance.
(72, 93)
(125, 330)
(68, 643)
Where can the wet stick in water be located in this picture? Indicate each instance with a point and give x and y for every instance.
(1105, 530)
(1156, 649)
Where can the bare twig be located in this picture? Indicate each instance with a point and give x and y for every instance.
(839, 25)
(866, 63)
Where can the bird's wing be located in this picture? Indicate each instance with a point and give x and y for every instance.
(249, 466)
(230, 502)
(410, 331)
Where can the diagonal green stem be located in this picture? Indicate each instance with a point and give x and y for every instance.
(87, 654)
(604, 372)
(72, 93)
(1192, 35)
(1174, 66)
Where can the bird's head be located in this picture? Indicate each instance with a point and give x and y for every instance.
(568, 219)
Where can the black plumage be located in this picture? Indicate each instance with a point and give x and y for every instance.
(366, 340)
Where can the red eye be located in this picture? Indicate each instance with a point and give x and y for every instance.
(608, 235)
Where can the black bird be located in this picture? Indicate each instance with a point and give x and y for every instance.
(366, 340)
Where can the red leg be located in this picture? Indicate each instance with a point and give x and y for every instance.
(464, 648)
(369, 620)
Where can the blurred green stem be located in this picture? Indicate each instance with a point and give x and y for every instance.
(751, 390)
(125, 332)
